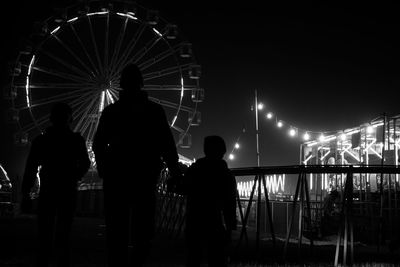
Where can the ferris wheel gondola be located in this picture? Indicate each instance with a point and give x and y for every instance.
(76, 55)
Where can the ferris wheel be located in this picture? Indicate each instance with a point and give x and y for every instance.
(76, 55)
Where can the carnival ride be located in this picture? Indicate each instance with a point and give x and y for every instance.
(76, 56)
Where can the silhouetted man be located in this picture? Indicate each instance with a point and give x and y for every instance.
(132, 141)
(211, 205)
(60, 158)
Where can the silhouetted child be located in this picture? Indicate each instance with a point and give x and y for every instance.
(60, 158)
(211, 205)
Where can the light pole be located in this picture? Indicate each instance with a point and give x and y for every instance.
(256, 107)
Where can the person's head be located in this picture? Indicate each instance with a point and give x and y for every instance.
(61, 114)
(214, 147)
(131, 78)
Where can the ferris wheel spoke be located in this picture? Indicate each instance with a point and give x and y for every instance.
(150, 62)
(60, 74)
(96, 50)
(69, 86)
(83, 114)
(128, 50)
(142, 52)
(171, 105)
(57, 98)
(84, 49)
(153, 87)
(162, 73)
(90, 123)
(106, 40)
(83, 74)
(37, 123)
(118, 45)
(84, 98)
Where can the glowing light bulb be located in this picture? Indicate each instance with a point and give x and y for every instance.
(343, 137)
(292, 132)
(370, 129)
(279, 124)
(237, 146)
(231, 156)
(269, 115)
(321, 138)
(260, 106)
(306, 137)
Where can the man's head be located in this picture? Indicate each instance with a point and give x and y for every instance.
(61, 114)
(131, 78)
(214, 147)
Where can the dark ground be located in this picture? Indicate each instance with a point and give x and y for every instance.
(17, 248)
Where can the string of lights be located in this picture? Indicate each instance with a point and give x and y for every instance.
(294, 131)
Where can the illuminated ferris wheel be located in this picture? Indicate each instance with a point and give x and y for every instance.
(76, 55)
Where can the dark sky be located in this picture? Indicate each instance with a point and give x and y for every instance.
(317, 66)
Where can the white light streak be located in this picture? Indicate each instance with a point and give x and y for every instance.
(102, 98)
(28, 102)
(55, 30)
(129, 15)
(72, 20)
(174, 120)
(182, 88)
(326, 154)
(109, 96)
(157, 32)
(30, 65)
(274, 183)
(307, 159)
(97, 13)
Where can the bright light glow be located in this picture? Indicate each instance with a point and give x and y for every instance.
(129, 15)
(157, 32)
(292, 132)
(370, 129)
(237, 146)
(55, 30)
(321, 138)
(73, 19)
(343, 137)
(306, 137)
(269, 115)
(260, 106)
(279, 124)
(231, 156)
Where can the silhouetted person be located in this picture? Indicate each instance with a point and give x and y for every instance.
(132, 141)
(211, 205)
(63, 159)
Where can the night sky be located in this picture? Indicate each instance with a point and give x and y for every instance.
(320, 67)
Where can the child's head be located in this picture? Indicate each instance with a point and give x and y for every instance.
(214, 147)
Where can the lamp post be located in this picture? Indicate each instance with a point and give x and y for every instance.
(256, 107)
